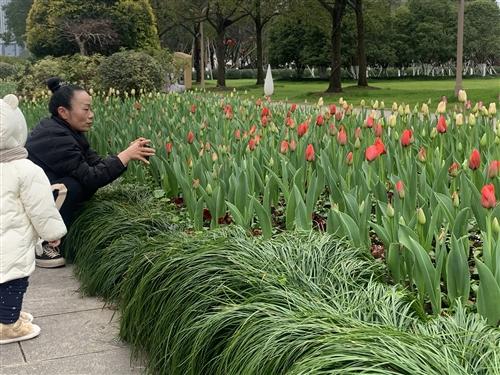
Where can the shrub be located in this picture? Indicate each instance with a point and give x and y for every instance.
(7, 70)
(129, 70)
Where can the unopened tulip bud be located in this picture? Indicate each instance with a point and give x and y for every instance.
(492, 109)
(475, 108)
(214, 156)
(407, 109)
(484, 140)
(402, 220)
(425, 109)
(209, 189)
(433, 133)
(382, 105)
(484, 111)
(357, 143)
(395, 135)
(460, 147)
(392, 120)
(423, 133)
(472, 119)
(455, 199)
(196, 183)
(375, 105)
(421, 216)
(320, 102)
(394, 107)
(335, 207)
(271, 162)
(401, 110)
(497, 140)
(362, 103)
(390, 210)
(361, 207)
(495, 225)
(441, 107)
(459, 119)
(462, 96)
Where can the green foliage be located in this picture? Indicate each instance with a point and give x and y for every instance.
(129, 70)
(52, 26)
(481, 30)
(16, 13)
(78, 69)
(7, 70)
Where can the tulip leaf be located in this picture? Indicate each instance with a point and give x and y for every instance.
(488, 295)
(457, 271)
(264, 218)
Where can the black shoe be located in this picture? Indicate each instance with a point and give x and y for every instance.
(47, 256)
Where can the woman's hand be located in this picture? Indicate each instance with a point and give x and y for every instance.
(138, 150)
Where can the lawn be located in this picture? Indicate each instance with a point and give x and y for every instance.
(389, 91)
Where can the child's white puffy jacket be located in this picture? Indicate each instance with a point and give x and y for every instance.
(27, 208)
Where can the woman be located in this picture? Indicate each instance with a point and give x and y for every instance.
(59, 146)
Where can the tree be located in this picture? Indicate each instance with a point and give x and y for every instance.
(261, 13)
(62, 27)
(460, 47)
(360, 33)
(16, 13)
(292, 41)
(336, 9)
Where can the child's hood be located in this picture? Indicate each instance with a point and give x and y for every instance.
(13, 130)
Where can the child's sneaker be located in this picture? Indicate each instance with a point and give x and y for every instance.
(26, 317)
(47, 256)
(18, 331)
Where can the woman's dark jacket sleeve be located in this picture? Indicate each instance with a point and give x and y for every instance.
(62, 152)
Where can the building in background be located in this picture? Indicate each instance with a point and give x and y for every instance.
(7, 47)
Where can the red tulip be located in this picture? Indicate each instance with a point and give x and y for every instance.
(488, 199)
(406, 138)
(474, 160)
(380, 146)
(342, 137)
(284, 147)
(309, 152)
(441, 124)
(333, 109)
(237, 134)
(252, 129)
(493, 169)
(348, 158)
(289, 122)
(371, 153)
(293, 145)
(302, 129)
(193, 108)
(264, 112)
(190, 137)
(168, 147)
(400, 189)
(293, 107)
(320, 120)
(251, 144)
(263, 121)
(378, 130)
(369, 121)
(339, 115)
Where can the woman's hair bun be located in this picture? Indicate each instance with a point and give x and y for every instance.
(54, 84)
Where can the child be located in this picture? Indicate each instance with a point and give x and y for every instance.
(27, 212)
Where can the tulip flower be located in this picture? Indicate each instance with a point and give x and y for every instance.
(474, 160)
(193, 108)
(258, 102)
(455, 199)
(293, 145)
(190, 137)
(462, 96)
(406, 138)
(400, 189)
(264, 112)
(358, 133)
(333, 109)
(394, 107)
(369, 121)
(492, 110)
(493, 169)
(425, 109)
(488, 199)
(392, 120)
(302, 129)
(422, 155)
(333, 129)
(421, 216)
(371, 153)
(378, 130)
(284, 147)
(251, 144)
(320, 120)
(348, 158)
(454, 169)
(380, 146)
(310, 152)
(289, 122)
(237, 134)
(441, 107)
(293, 107)
(263, 121)
(339, 115)
(168, 148)
(472, 119)
(252, 129)
(342, 137)
(459, 120)
(441, 124)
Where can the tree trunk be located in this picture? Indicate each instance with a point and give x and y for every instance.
(362, 80)
(258, 32)
(336, 63)
(460, 47)
(220, 51)
(197, 52)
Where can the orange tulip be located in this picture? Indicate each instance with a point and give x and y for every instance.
(310, 152)
(488, 199)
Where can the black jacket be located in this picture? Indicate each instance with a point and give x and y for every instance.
(63, 152)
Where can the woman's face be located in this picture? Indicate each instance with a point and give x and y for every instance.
(80, 116)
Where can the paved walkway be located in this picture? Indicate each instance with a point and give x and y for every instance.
(79, 334)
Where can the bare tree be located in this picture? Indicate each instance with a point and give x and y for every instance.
(91, 33)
